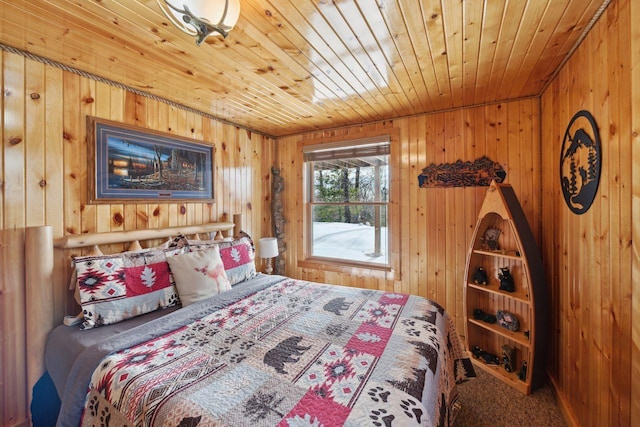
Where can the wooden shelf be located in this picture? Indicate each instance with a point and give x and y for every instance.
(500, 254)
(521, 296)
(518, 337)
(498, 371)
(501, 210)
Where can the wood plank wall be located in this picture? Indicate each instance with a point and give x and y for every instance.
(592, 260)
(436, 224)
(43, 180)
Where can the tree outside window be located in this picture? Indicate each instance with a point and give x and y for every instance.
(348, 199)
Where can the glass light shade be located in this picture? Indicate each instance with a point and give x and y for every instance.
(209, 12)
(268, 247)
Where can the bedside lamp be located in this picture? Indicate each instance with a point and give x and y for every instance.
(268, 248)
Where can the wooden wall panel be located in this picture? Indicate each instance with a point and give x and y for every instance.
(634, 47)
(591, 260)
(13, 192)
(435, 224)
(43, 181)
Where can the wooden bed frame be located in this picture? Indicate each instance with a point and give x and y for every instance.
(45, 256)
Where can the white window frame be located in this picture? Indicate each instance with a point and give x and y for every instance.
(360, 147)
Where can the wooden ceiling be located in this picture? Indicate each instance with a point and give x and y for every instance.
(291, 66)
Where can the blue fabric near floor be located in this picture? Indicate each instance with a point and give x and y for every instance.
(45, 404)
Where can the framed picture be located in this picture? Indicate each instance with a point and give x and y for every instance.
(129, 164)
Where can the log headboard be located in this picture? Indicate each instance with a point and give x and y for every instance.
(44, 255)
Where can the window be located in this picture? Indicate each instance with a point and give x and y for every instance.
(348, 201)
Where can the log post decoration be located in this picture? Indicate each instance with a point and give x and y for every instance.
(39, 295)
(278, 221)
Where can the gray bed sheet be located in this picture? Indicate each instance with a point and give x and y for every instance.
(71, 354)
(66, 343)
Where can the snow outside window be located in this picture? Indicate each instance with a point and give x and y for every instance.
(348, 201)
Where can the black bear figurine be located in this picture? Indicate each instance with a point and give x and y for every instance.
(506, 281)
(522, 375)
(480, 277)
(488, 358)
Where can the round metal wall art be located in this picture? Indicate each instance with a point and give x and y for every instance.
(580, 162)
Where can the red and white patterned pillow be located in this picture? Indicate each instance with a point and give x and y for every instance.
(238, 257)
(116, 287)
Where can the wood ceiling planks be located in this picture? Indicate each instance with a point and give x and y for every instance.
(294, 66)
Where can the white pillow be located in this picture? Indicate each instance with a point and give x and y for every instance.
(199, 275)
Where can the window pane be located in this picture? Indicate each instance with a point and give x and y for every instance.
(350, 233)
(362, 179)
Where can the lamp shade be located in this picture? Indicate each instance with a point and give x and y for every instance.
(202, 18)
(268, 247)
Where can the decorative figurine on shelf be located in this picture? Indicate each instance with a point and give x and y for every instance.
(490, 238)
(522, 374)
(508, 321)
(478, 314)
(485, 356)
(480, 277)
(507, 357)
(506, 280)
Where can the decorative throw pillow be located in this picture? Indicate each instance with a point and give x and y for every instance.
(199, 275)
(238, 257)
(177, 242)
(116, 287)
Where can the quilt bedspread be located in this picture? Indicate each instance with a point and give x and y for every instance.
(295, 353)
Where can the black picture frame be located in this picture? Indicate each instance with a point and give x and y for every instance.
(133, 164)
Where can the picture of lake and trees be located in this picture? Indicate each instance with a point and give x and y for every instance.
(140, 165)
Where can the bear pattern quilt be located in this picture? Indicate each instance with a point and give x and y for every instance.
(296, 353)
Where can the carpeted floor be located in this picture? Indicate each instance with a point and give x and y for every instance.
(486, 401)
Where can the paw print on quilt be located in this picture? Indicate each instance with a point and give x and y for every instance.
(384, 405)
(231, 348)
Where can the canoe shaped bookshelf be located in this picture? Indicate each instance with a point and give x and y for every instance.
(504, 280)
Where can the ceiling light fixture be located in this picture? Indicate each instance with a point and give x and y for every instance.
(202, 18)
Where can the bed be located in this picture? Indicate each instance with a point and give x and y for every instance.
(262, 350)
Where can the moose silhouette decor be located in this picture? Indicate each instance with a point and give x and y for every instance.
(580, 162)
